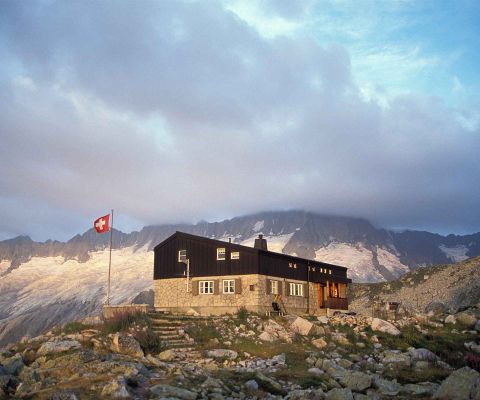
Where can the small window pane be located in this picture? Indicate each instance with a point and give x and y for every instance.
(182, 255)
(235, 255)
(229, 286)
(221, 253)
(206, 287)
(274, 286)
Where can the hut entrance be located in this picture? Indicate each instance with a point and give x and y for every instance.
(320, 295)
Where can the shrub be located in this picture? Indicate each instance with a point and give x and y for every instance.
(149, 341)
(122, 322)
(242, 314)
(202, 334)
(74, 327)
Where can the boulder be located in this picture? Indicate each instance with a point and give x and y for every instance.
(167, 355)
(435, 308)
(267, 337)
(357, 381)
(64, 395)
(466, 318)
(192, 313)
(168, 391)
(422, 355)
(126, 344)
(381, 325)
(116, 389)
(315, 371)
(397, 358)
(13, 365)
(222, 353)
(472, 346)
(450, 319)
(420, 389)
(269, 384)
(58, 346)
(462, 384)
(386, 387)
(477, 326)
(302, 326)
(323, 319)
(319, 343)
(339, 394)
(251, 385)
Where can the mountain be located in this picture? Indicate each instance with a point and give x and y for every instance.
(455, 286)
(42, 284)
(372, 254)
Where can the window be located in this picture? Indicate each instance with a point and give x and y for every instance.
(296, 289)
(182, 255)
(228, 286)
(292, 265)
(330, 272)
(235, 255)
(274, 287)
(221, 253)
(205, 287)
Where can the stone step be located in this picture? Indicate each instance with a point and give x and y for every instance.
(167, 337)
(176, 342)
(165, 332)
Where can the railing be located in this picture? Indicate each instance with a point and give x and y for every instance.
(337, 303)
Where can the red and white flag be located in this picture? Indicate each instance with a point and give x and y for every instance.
(102, 224)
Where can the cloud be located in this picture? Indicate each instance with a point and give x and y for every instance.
(179, 111)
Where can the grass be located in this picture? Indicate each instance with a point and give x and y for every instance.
(441, 341)
(149, 341)
(242, 314)
(202, 334)
(409, 375)
(75, 327)
(122, 322)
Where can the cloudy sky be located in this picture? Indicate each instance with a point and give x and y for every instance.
(171, 111)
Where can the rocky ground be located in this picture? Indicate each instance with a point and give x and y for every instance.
(454, 287)
(250, 357)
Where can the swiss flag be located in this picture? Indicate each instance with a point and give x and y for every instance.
(102, 224)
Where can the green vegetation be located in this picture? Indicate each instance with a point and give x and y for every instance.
(202, 334)
(149, 341)
(75, 327)
(409, 375)
(242, 314)
(122, 322)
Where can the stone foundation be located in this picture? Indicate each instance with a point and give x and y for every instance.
(171, 295)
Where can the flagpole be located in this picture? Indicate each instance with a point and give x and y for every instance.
(110, 261)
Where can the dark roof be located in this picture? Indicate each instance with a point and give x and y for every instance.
(244, 248)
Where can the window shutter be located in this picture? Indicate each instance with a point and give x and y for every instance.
(238, 286)
(280, 287)
(287, 288)
(305, 294)
(195, 285)
(216, 287)
(268, 286)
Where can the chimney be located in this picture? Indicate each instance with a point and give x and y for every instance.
(229, 240)
(260, 243)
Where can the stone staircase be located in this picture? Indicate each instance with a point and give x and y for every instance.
(171, 330)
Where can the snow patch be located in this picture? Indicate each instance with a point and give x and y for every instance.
(391, 262)
(258, 226)
(357, 258)
(456, 254)
(47, 280)
(274, 243)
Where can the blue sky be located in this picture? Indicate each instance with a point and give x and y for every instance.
(179, 111)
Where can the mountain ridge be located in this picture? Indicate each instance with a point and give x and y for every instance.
(303, 233)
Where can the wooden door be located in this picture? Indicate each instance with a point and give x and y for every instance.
(319, 295)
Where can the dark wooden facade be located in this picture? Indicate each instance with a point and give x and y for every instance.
(202, 253)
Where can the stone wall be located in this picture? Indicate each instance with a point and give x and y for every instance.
(171, 295)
